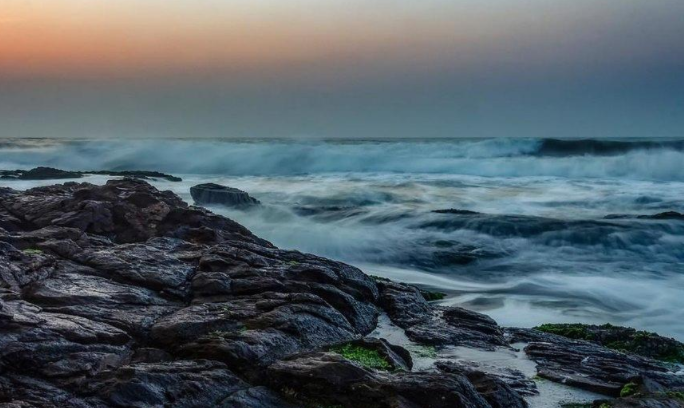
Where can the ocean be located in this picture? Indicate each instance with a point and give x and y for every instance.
(543, 230)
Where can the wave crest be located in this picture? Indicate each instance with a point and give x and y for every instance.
(646, 160)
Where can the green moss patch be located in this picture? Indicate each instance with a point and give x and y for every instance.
(431, 296)
(32, 251)
(571, 331)
(368, 358)
(676, 395)
(628, 390)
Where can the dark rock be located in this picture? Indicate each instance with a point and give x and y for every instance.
(622, 339)
(514, 379)
(49, 173)
(210, 193)
(668, 215)
(423, 323)
(455, 211)
(326, 378)
(136, 174)
(583, 364)
(495, 391)
(62, 348)
(18, 391)
(180, 384)
(123, 210)
(122, 295)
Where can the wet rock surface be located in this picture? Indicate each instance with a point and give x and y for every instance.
(619, 338)
(439, 326)
(498, 392)
(122, 295)
(211, 193)
(589, 366)
(324, 379)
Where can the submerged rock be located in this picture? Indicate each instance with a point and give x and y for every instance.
(210, 193)
(40, 173)
(667, 215)
(455, 211)
(49, 173)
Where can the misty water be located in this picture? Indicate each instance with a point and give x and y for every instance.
(550, 233)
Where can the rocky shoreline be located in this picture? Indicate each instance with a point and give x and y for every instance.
(124, 296)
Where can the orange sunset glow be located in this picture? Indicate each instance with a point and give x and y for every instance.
(442, 55)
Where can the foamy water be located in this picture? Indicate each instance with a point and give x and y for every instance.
(540, 250)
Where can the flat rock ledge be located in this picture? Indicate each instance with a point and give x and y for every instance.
(122, 295)
(50, 173)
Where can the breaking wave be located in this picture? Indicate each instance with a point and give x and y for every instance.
(639, 159)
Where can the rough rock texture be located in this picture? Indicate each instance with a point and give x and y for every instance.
(584, 364)
(620, 338)
(513, 378)
(323, 379)
(423, 323)
(498, 392)
(124, 296)
(211, 193)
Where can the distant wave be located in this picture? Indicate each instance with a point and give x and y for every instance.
(558, 147)
(641, 160)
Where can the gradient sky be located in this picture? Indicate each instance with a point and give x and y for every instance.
(342, 68)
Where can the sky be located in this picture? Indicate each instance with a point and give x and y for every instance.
(341, 68)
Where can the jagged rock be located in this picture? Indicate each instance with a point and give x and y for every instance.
(581, 363)
(198, 383)
(18, 391)
(123, 295)
(210, 193)
(497, 392)
(423, 323)
(328, 378)
(515, 379)
(63, 348)
(643, 343)
(125, 211)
